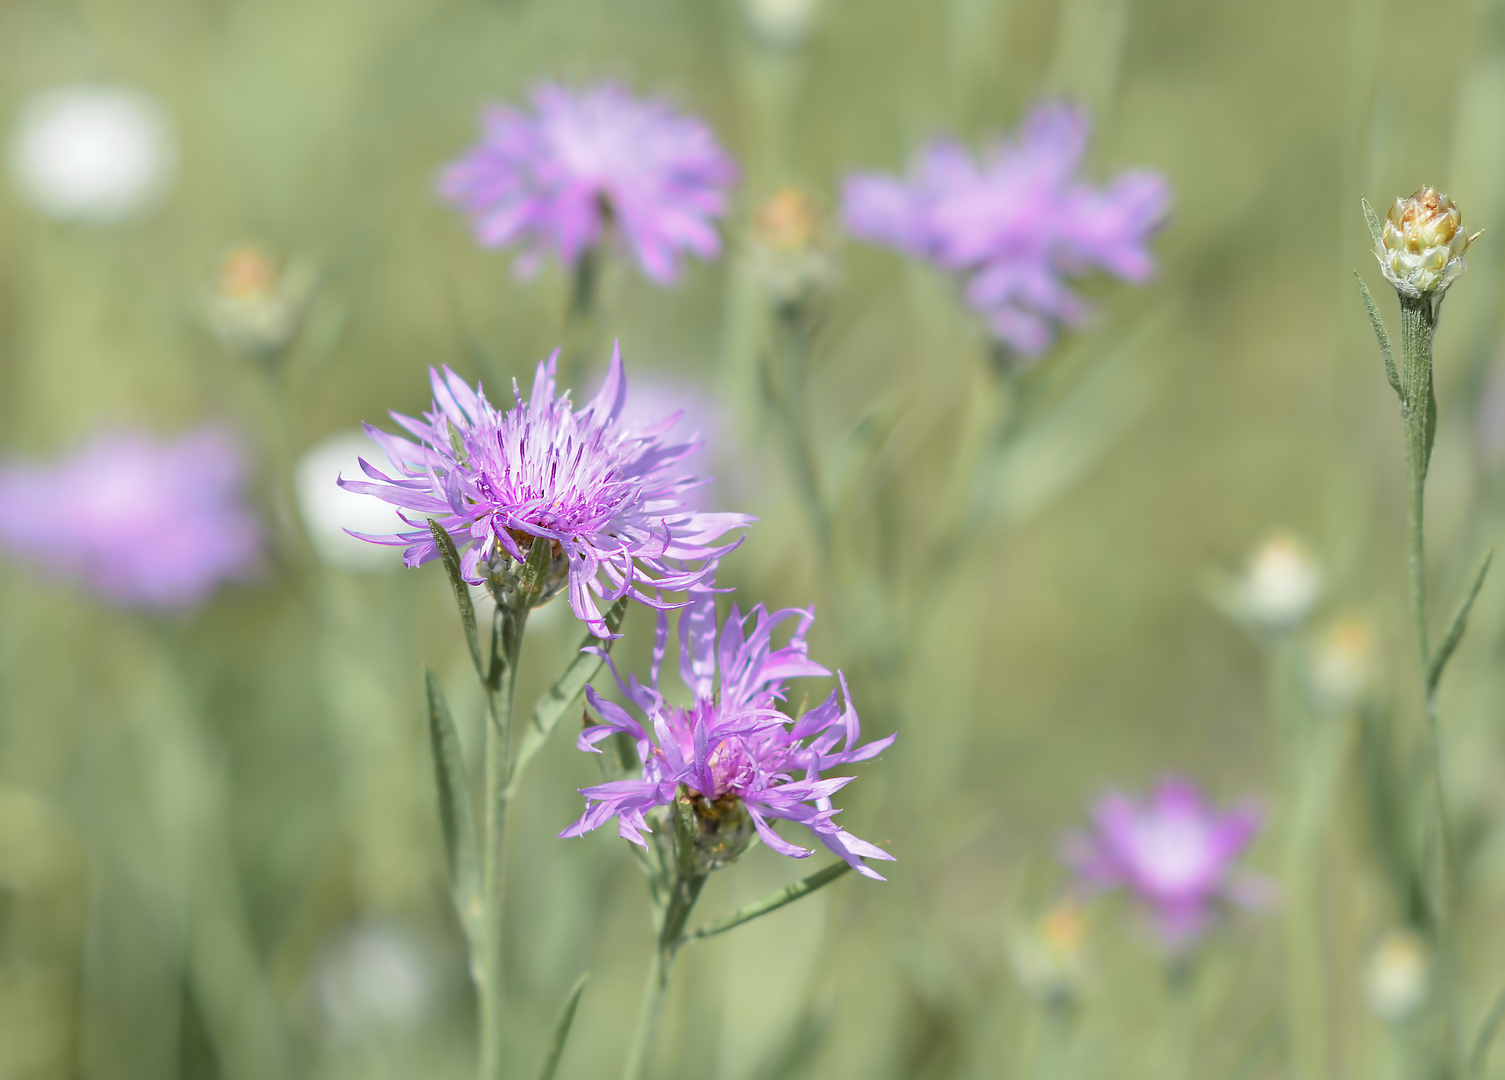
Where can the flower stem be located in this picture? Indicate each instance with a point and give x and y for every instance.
(683, 893)
(500, 684)
(582, 323)
(1419, 413)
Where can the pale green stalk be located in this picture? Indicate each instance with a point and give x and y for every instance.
(1419, 415)
(582, 324)
(1305, 770)
(501, 688)
(683, 892)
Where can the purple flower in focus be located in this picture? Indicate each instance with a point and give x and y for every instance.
(734, 750)
(560, 176)
(143, 523)
(610, 498)
(1017, 225)
(1174, 852)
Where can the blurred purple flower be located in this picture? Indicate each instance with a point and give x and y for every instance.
(735, 747)
(1174, 852)
(144, 523)
(608, 497)
(1018, 225)
(561, 176)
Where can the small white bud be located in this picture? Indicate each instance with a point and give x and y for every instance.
(1398, 976)
(1280, 585)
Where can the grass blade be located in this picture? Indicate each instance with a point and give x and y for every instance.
(563, 694)
(451, 559)
(1486, 1036)
(1459, 624)
(1377, 324)
(562, 1026)
(787, 895)
(456, 813)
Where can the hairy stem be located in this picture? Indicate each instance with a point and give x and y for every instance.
(1419, 412)
(683, 893)
(501, 685)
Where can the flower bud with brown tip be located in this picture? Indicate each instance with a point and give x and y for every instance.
(1421, 244)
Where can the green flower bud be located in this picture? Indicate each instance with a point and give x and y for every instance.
(1421, 244)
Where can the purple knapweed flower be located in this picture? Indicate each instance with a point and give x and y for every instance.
(144, 523)
(608, 496)
(1174, 853)
(584, 164)
(1018, 225)
(734, 752)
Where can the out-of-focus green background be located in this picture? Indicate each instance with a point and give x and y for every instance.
(1078, 649)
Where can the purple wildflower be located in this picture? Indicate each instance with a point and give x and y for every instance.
(1018, 225)
(607, 496)
(144, 523)
(734, 749)
(558, 177)
(1175, 853)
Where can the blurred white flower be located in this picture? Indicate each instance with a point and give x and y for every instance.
(1280, 585)
(1398, 975)
(1050, 953)
(1343, 665)
(92, 153)
(328, 509)
(375, 977)
(781, 23)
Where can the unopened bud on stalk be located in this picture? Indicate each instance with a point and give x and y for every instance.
(1049, 953)
(790, 252)
(255, 306)
(1398, 976)
(1421, 244)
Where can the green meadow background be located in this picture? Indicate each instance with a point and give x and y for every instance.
(241, 798)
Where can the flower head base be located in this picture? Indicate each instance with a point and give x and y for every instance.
(606, 498)
(1017, 225)
(144, 523)
(254, 306)
(731, 757)
(1173, 852)
(581, 165)
(1421, 244)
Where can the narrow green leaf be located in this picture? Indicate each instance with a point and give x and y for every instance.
(562, 1029)
(456, 813)
(1377, 324)
(451, 559)
(1455, 629)
(563, 695)
(1486, 1037)
(1373, 221)
(787, 895)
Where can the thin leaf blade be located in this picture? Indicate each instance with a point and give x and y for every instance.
(1377, 324)
(1486, 1036)
(456, 812)
(562, 1027)
(1458, 625)
(785, 896)
(1373, 221)
(564, 693)
(450, 556)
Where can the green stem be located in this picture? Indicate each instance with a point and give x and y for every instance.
(582, 324)
(683, 893)
(501, 685)
(787, 386)
(1419, 413)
